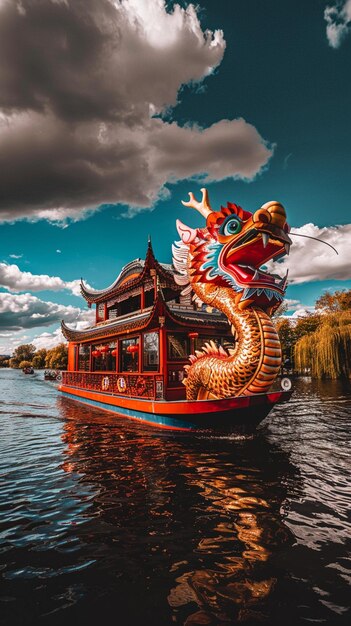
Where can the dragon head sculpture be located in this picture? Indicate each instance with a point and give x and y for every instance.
(230, 252)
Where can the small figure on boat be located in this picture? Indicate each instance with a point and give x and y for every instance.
(52, 375)
(221, 263)
(28, 370)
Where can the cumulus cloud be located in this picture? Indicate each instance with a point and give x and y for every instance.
(338, 18)
(9, 342)
(83, 87)
(24, 311)
(311, 260)
(50, 340)
(15, 280)
(302, 311)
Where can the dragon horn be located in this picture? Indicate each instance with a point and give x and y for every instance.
(203, 207)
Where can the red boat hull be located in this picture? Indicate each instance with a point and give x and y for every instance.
(228, 413)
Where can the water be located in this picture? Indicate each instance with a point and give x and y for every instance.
(101, 516)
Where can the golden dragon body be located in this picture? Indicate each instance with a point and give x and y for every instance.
(222, 265)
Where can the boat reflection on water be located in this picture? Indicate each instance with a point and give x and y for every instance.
(190, 525)
(235, 577)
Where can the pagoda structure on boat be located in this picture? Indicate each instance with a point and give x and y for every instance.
(192, 344)
(143, 334)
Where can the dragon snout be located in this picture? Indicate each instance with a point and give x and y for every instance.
(272, 213)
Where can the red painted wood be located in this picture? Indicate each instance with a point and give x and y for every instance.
(71, 352)
(185, 407)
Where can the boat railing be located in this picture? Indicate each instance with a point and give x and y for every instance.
(132, 385)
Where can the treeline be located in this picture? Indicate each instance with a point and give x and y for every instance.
(320, 343)
(26, 355)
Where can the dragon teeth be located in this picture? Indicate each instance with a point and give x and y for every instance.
(287, 248)
(265, 239)
(256, 275)
(269, 293)
(282, 282)
(248, 293)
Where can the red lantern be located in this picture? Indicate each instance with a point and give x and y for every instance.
(105, 349)
(193, 335)
(114, 352)
(96, 353)
(133, 349)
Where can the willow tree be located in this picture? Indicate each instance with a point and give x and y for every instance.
(327, 351)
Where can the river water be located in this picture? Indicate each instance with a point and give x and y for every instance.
(101, 516)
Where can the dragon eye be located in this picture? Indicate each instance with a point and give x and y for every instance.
(231, 226)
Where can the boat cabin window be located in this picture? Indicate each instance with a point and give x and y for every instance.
(129, 355)
(151, 357)
(131, 304)
(84, 357)
(178, 349)
(104, 357)
(149, 297)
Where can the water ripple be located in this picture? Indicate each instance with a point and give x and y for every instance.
(101, 515)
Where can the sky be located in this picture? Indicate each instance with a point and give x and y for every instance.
(111, 111)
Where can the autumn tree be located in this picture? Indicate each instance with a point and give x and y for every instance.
(39, 358)
(57, 357)
(291, 330)
(24, 364)
(326, 352)
(306, 325)
(286, 334)
(25, 352)
(334, 302)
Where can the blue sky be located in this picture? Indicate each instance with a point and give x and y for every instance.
(276, 66)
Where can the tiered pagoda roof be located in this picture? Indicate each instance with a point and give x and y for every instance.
(132, 275)
(136, 321)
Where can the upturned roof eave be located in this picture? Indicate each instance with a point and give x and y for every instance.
(150, 262)
(101, 332)
(198, 317)
(160, 307)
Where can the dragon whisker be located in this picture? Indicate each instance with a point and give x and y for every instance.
(316, 239)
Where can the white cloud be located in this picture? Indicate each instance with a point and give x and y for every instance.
(311, 260)
(291, 303)
(90, 136)
(11, 340)
(24, 311)
(15, 256)
(302, 311)
(338, 18)
(58, 251)
(50, 340)
(15, 280)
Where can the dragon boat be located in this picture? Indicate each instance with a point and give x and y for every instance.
(189, 345)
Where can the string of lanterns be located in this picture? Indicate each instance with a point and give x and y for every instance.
(105, 349)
